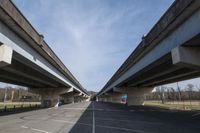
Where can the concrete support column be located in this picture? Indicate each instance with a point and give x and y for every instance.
(69, 99)
(51, 96)
(109, 99)
(5, 55)
(50, 99)
(101, 99)
(136, 95)
(117, 97)
(104, 99)
(113, 97)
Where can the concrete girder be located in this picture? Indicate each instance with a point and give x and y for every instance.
(180, 77)
(66, 90)
(25, 71)
(24, 53)
(179, 35)
(37, 79)
(136, 95)
(5, 55)
(6, 77)
(186, 57)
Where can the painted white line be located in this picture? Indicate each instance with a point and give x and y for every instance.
(35, 129)
(24, 127)
(124, 129)
(132, 121)
(117, 128)
(69, 122)
(195, 114)
(38, 130)
(93, 115)
(75, 108)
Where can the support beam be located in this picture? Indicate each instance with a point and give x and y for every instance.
(5, 55)
(51, 96)
(136, 95)
(186, 57)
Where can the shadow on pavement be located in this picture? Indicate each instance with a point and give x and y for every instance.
(18, 110)
(85, 123)
(119, 118)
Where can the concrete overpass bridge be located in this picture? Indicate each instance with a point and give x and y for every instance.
(168, 53)
(26, 59)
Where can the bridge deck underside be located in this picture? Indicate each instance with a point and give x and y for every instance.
(19, 72)
(161, 72)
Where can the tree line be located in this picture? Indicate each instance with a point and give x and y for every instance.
(17, 94)
(163, 93)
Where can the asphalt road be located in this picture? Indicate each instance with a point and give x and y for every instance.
(98, 117)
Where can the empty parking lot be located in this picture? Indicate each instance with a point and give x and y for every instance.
(98, 117)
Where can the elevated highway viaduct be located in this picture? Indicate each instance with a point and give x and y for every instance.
(27, 60)
(169, 53)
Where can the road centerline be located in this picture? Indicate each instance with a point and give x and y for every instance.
(93, 115)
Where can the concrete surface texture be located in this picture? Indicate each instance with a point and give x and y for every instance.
(100, 117)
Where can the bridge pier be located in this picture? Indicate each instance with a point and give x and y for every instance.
(136, 95)
(116, 97)
(112, 97)
(50, 99)
(72, 97)
(69, 99)
(52, 96)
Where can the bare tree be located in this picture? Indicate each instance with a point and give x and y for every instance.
(179, 91)
(161, 93)
(173, 94)
(190, 88)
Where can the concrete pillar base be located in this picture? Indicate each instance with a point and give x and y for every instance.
(68, 100)
(50, 100)
(50, 97)
(136, 95)
(115, 97)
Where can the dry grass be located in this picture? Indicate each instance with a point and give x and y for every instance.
(183, 105)
(17, 104)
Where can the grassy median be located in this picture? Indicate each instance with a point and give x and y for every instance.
(10, 105)
(179, 105)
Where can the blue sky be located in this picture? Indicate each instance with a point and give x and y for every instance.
(93, 37)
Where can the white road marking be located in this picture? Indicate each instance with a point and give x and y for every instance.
(42, 131)
(93, 131)
(75, 108)
(93, 125)
(24, 127)
(124, 129)
(132, 121)
(35, 129)
(63, 121)
(195, 114)
(114, 110)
